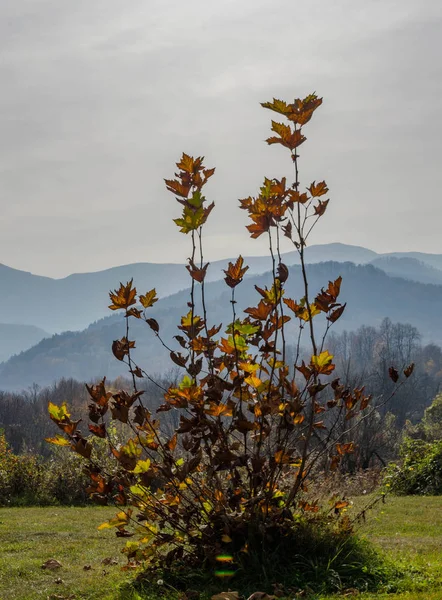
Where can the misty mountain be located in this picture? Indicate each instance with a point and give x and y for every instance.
(432, 260)
(408, 268)
(17, 338)
(72, 303)
(371, 295)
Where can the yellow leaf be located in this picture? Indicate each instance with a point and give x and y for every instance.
(323, 363)
(142, 466)
(253, 381)
(124, 297)
(58, 440)
(149, 298)
(58, 413)
(219, 496)
(120, 519)
(282, 458)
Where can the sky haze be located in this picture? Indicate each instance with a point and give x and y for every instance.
(100, 98)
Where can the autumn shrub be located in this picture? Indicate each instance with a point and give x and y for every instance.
(420, 470)
(28, 480)
(226, 490)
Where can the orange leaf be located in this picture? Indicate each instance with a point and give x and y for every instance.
(198, 274)
(319, 189)
(288, 138)
(345, 448)
(124, 297)
(261, 312)
(300, 111)
(235, 272)
(177, 188)
(282, 457)
(171, 444)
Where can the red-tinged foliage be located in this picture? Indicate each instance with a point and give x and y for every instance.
(235, 272)
(251, 427)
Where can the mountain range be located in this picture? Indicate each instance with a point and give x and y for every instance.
(72, 303)
(406, 287)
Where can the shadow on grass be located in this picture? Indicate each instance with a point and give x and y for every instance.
(319, 562)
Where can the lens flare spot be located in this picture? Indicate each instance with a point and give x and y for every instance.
(224, 558)
(224, 574)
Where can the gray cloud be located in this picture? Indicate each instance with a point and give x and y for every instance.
(100, 98)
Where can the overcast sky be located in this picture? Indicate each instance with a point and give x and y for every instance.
(100, 97)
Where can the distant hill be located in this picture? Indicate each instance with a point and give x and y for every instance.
(432, 260)
(371, 295)
(16, 338)
(72, 303)
(408, 268)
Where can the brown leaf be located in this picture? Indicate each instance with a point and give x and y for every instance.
(121, 348)
(82, 447)
(300, 111)
(365, 400)
(304, 370)
(318, 189)
(345, 448)
(287, 230)
(171, 444)
(409, 370)
(188, 164)
(283, 272)
(321, 207)
(335, 460)
(335, 314)
(98, 430)
(153, 324)
(109, 561)
(226, 596)
(306, 506)
(51, 564)
(393, 374)
(235, 272)
(198, 274)
(178, 188)
(282, 457)
(137, 372)
(287, 137)
(124, 297)
(178, 359)
(98, 393)
(261, 312)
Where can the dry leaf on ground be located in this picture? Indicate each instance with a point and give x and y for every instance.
(226, 596)
(51, 564)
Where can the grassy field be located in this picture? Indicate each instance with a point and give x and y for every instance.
(408, 529)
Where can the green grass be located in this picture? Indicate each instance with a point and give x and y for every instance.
(30, 536)
(408, 529)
